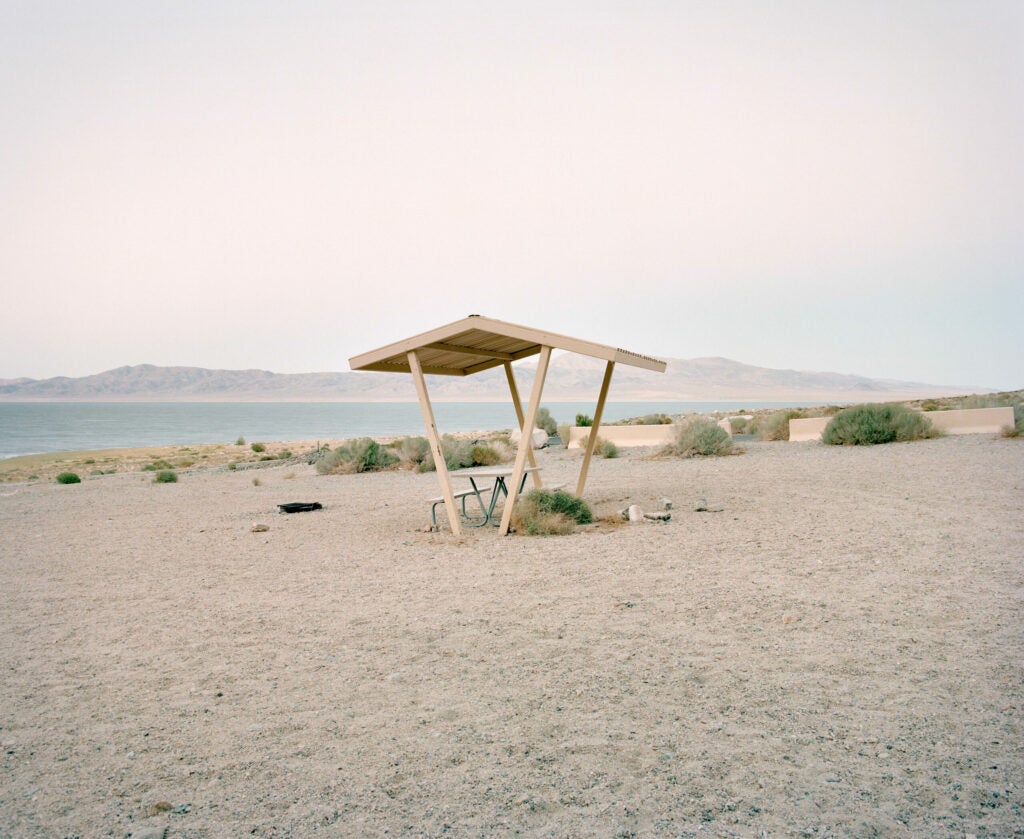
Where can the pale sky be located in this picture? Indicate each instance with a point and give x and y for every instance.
(813, 185)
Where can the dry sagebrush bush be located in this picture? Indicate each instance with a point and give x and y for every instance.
(361, 455)
(543, 512)
(699, 438)
(872, 424)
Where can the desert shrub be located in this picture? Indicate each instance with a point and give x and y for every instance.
(96, 472)
(542, 512)
(648, 419)
(256, 482)
(165, 476)
(607, 448)
(700, 438)
(484, 455)
(776, 425)
(266, 457)
(360, 455)
(739, 425)
(584, 421)
(563, 432)
(1018, 421)
(157, 465)
(412, 452)
(240, 441)
(460, 454)
(89, 460)
(258, 447)
(546, 421)
(868, 425)
(68, 478)
(232, 466)
(284, 455)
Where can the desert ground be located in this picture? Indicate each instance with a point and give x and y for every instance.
(838, 652)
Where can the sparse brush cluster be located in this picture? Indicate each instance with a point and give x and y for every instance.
(867, 425)
(699, 438)
(367, 455)
(543, 512)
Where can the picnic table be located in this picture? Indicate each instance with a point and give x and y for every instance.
(498, 474)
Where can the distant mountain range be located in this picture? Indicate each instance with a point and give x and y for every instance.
(570, 378)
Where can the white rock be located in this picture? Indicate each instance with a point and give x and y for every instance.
(635, 513)
(260, 528)
(539, 437)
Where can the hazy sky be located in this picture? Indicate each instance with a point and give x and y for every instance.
(812, 185)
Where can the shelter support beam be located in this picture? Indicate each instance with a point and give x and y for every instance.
(592, 439)
(435, 442)
(525, 443)
(517, 403)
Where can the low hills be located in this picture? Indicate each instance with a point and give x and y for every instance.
(570, 378)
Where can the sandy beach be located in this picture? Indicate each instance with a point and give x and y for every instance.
(838, 652)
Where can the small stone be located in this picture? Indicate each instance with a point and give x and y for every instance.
(428, 528)
(657, 516)
(787, 620)
(258, 527)
(702, 505)
(635, 513)
(666, 503)
(159, 807)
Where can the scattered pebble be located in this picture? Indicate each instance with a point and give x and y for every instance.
(260, 528)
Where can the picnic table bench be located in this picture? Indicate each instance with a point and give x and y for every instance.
(499, 474)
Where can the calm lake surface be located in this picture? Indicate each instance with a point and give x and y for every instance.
(35, 427)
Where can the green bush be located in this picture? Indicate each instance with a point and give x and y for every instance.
(413, 451)
(360, 455)
(607, 448)
(583, 421)
(166, 477)
(776, 426)
(156, 466)
(68, 478)
(459, 454)
(646, 419)
(484, 455)
(543, 512)
(546, 421)
(739, 425)
(700, 438)
(868, 425)
(258, 447)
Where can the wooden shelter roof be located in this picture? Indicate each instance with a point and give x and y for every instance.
(478, 343)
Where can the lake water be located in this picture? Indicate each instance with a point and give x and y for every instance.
(35, 427)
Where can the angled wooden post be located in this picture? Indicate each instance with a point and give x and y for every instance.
(525, 443)
(592, 439)
(435, 442)
(537, 482)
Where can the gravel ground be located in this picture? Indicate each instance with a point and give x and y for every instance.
(838, 652)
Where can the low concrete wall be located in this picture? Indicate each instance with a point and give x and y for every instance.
(972, 420)
(961, 421)
(801, 430)
(625, 436)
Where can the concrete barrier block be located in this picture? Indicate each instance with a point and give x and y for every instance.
(626, 435)
(960, 421)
